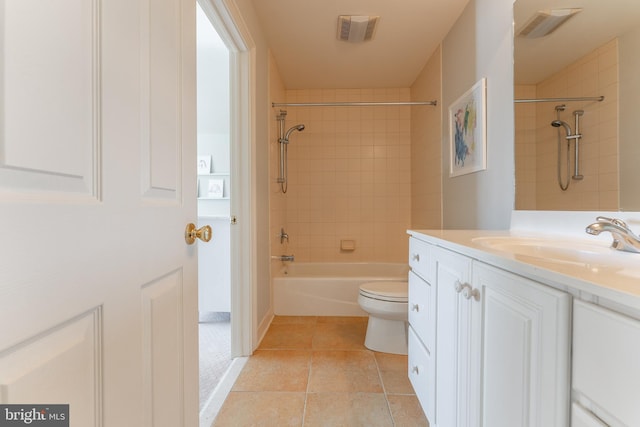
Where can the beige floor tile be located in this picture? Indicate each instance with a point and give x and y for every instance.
(344, 371)
(391, 362)
(406, 411)
(393, 370)
(288, 336)
(396, 382)
(275, 370)
(347, 410)
(339, 336)
(267, 409)
(308, 320)
(343, 319)
(326, 358)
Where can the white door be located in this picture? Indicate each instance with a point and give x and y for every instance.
(98, 295)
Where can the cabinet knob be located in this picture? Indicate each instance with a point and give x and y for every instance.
(415, 257)
(415, 307)
(459, 286)
(415, 370)
(470, 292)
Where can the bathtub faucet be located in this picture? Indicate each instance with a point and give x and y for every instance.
(283, 257)
(283, 236)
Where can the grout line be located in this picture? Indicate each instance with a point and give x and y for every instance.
(384, 389)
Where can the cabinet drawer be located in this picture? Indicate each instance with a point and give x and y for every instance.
(422, 310)
(422, 374)
(419, 258)
(606, 347)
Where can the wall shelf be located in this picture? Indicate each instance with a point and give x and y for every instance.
(214, 174)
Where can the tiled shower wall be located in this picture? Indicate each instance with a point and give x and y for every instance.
(593, 75)
(349, 177)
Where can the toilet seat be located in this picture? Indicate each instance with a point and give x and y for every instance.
(391, 291)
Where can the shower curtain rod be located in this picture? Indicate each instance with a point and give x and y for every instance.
(583, 98)
(349, 104)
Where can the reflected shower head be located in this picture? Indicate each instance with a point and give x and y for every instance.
(558, 123)
(299, 128)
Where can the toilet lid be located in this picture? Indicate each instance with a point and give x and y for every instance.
(388, 291)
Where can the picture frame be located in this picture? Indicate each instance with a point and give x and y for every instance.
(468, 131)
(204, 164)
(216, 188)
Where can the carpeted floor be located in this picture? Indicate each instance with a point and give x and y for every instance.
(215, 351)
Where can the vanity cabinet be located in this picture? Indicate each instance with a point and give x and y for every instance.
(606, 372)
(501, 346)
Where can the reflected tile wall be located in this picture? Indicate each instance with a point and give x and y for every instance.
(593, 75)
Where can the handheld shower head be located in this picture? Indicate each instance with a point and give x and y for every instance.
(299, 128)
(558, 123)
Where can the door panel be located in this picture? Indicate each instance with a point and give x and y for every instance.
(97, 184)
(49, 96)
(163, 334)
(63, 361)
(161, 98)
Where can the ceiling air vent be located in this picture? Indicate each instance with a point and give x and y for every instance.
(545, 22)
(356, 29)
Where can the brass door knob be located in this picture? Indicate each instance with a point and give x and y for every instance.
(191, 233)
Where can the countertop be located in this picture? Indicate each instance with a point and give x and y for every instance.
(615, 276)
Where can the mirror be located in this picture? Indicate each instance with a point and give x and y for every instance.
(594, 53)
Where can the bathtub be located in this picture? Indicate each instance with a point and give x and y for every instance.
(327, 289)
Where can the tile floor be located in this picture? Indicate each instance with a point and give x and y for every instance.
(316, 371)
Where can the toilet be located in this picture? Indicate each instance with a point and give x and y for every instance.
(386, 303)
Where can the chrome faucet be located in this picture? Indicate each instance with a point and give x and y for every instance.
(623, 238)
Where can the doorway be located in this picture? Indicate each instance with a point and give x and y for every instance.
(222, 17)
(214, 206)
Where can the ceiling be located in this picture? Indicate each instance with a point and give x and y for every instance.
(599, 22)
(302, 37)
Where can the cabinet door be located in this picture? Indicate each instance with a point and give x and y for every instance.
(606, 348)
(457, 344)
(582, 418)
(525, 350)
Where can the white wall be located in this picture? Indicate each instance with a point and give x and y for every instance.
(260, 169)
(480, 44)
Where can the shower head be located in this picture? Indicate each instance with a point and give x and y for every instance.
(558, 123)
(299, 128)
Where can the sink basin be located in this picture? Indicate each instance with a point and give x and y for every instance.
(576, 252)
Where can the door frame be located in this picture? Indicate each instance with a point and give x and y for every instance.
(227, 21)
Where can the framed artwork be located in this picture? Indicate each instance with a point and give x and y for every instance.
(216, 188)
(468, 131)
(204, 164)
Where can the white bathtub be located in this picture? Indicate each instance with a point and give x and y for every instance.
(327, 289)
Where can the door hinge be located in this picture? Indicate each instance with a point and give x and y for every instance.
(234, 220)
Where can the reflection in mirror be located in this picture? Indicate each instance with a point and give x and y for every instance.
(593, 53)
